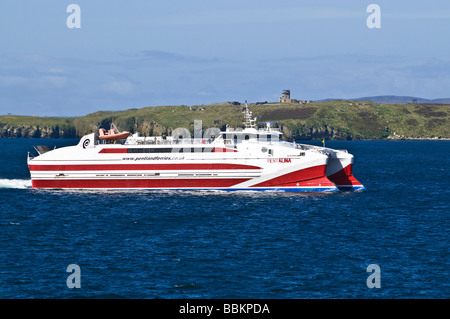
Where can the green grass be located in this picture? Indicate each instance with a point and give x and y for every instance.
(332, 119)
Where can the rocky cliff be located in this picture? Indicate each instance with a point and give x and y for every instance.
(10, 130)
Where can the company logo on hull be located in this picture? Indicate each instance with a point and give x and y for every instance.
(278, 160)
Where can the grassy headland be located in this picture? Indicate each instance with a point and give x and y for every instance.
(317, 120)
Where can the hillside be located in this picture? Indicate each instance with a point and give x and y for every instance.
(317, 120)
(395, 99)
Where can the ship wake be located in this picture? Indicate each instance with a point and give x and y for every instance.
(15, 183)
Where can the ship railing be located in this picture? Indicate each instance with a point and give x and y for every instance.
(235, 129)
(272, 129)
(170, 141)
(193, 141)
(306, 147)
(101, 142)
(318, 148)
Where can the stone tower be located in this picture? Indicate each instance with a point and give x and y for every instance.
(285, 96)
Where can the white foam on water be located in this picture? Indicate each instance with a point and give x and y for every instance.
(15, 183)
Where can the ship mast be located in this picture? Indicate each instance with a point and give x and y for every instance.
(249, 120)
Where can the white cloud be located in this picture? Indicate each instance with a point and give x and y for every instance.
(8, 80)
(53, 80)
(121, 87)
(204, 93)
(33, 81)
(55, 70)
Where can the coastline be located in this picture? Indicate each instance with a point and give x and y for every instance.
(331, 120)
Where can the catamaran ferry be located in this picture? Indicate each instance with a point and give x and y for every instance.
(248, 158)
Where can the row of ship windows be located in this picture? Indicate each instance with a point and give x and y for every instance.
(187, 150)
(262, 137)
(171, 150)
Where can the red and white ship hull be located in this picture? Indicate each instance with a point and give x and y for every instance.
(339, 168)
(339, 171)
(242, 159)
(107, 166)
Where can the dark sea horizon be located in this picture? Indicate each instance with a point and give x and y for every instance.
(220, 245)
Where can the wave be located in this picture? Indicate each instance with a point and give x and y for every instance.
(15, 183)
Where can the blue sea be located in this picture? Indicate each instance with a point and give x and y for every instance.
(214, 245)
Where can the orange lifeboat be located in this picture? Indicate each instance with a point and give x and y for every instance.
(112, 134)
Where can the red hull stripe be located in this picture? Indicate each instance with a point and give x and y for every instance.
(114, 150)
(133, 167)
(344, 177)
(138, 183)
(312, 176)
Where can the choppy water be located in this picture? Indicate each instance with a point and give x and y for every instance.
(233, 245)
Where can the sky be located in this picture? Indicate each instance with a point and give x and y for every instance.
(139, 53)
